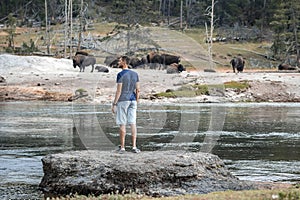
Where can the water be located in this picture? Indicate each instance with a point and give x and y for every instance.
(257, 141)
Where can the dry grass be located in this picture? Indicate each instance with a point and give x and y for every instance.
(223, 52)
(278, 194)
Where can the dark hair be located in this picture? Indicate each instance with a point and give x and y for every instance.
(125, 58)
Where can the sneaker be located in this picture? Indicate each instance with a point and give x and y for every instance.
(136, 150)
(120, 150)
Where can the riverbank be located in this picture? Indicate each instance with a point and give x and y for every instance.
(42, 78)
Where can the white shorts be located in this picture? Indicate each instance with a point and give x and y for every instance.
(126, 112)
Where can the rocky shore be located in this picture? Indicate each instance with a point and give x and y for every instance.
(42, 78)
(159, 173)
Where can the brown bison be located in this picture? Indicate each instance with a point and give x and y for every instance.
(175, 68)
(151, 66)
(83, 61)
(102, 69)
(81, 53)
(284, 66)
(165, 59)
(112, 61)
(237, 63)
(134, 62)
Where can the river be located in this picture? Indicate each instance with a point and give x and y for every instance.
(257, 141)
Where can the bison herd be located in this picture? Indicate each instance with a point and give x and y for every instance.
(170, 63)
(153, 60)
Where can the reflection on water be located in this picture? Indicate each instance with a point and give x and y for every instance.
(257, 141)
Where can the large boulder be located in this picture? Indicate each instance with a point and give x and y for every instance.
(158, 173)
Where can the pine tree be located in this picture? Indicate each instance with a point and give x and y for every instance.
(11, 32)
(286, 29)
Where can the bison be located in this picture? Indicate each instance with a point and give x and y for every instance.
(151, 66)
(284, 66)
(175, 68)
(237, 63)
(102, 69)
(165, 59)
(134, 62)
(113, 62)
(83, 61)
(81, 53)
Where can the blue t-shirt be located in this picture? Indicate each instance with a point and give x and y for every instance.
(128, 78)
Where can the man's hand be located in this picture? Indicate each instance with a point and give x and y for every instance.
(114, 108)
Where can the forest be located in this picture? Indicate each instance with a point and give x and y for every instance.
(281, 18)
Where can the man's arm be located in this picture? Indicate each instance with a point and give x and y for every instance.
(137, 91)
(117, 96)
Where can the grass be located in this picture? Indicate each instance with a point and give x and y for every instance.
(224, 51)
(253, 52)
(198, 90)
(278, 194)
(237, 85)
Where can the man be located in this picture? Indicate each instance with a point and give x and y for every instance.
(125, 103)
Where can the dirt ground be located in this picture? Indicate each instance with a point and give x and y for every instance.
(39, 78)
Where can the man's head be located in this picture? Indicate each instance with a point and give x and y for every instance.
(123, 62)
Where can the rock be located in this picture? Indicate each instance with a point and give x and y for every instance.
(30, 93)
(2, 79)
(79, 93)
(209, 70)
(158, 173)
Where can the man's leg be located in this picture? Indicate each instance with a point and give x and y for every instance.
(121, 120)
(131, 118)
(122, 135)
(133, 135)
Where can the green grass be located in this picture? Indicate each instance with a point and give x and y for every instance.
(237, 85)
(198, 90)
(278, 194)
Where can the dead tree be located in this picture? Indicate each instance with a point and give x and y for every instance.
(209, 33)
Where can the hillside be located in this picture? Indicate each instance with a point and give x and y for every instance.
(103, 39)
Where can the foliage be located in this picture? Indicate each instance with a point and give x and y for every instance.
(28, 48)
(11, 31)
(237, 85)
(133, 12)
(80, 90)
(286, 28)
(245, 13)
(198, 90)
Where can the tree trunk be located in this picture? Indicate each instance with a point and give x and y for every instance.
(263, 20)
(71, 26)
(66, 28)
(187, 5)
(80, 26)
(181, 5)
(210, 46)
(296, 36)
(47, 28)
